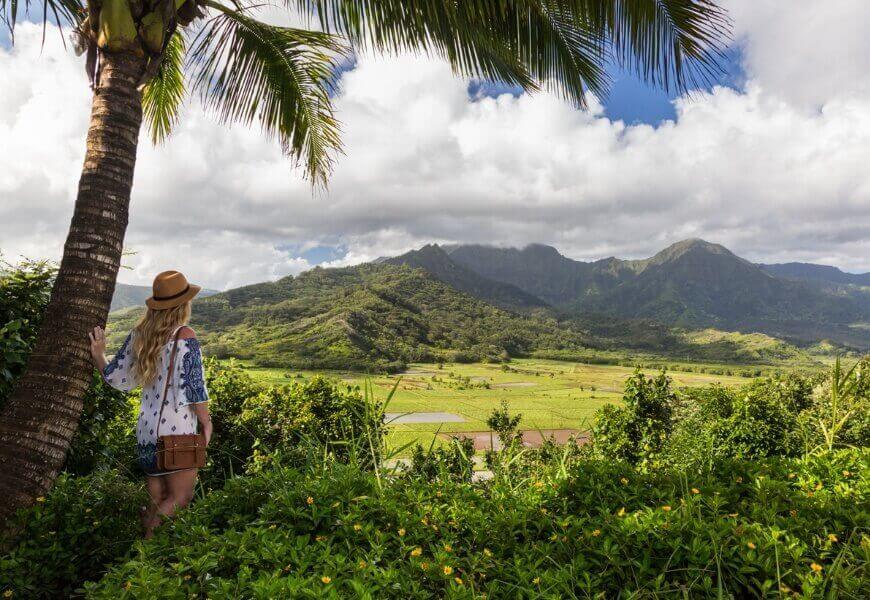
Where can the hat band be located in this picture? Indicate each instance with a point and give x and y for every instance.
(173, 296)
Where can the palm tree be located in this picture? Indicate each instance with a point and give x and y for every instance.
(144, 56)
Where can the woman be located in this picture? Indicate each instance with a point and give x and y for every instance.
(143, 360)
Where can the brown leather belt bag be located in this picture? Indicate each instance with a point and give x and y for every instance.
(178, 452)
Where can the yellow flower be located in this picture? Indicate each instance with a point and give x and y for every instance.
(310, 500)
(128, 585)
(539, 484)
(543, 511)
(792, 512)
(666, 508)
(791, 475)
(487, 552)
(448, 569)
(596, 533)
(7, 594)
(819, 485)
(401, 532)
(272, 526)
(732, 515)
(363, 564)
(739, 480)
(846, 473)
(554, 537)
(536, 580)
(448, 548)
(357, 527)
(696, 491)
(41, 499)
(416, 551)
(336, 504)
(624, 481)
(750, 545)
(621, 512)
(438, 494)
(458, 580)
(424, 566)
(816, 567)
(832, 538)
(320, 538)
(326, 579)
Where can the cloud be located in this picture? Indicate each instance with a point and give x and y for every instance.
(776, 171)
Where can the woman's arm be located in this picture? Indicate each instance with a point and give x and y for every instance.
(201, 410)
(118, 373)
(98, 348)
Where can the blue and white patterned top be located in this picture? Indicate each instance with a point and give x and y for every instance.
(186, 388)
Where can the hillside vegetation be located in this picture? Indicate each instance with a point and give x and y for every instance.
(692, 284)
(378, 317)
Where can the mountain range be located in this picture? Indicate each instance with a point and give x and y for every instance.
(127, 295)
(471, 302)
(691, 284)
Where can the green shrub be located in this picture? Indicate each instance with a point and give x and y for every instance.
(453, 462)
(24, 293)
(255, 426)
(73, 534)
(637, 431)
(105, 438)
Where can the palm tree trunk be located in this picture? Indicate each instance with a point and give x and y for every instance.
(42, 414)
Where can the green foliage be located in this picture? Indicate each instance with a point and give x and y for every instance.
(748, 529)
(280, 77)
(24, 293)
(452, 462)
(781, 415)
(105, 437)
(505, 425)
(164, 94)
(73, 534)
(257, 426)
(637, 431)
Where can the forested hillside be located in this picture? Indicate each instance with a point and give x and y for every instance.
(378, 317)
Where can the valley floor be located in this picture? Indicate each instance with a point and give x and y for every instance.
(459, 397)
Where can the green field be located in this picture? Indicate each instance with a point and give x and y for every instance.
(549, 394)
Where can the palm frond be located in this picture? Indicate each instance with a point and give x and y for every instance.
(65, 12)
(563, 44)
(676, 44)
(281, 77)
(163, 95)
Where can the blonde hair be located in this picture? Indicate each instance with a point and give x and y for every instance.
(152, 332)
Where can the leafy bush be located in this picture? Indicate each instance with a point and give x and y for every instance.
(105, 438)
(453, 462)
(255, 426)
(73, 534)
(747, 529)
(637, 431)
(24, 293)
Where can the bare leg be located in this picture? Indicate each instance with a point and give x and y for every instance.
(180, 492)
(158, 492)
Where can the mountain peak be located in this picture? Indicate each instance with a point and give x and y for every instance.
(693, 246)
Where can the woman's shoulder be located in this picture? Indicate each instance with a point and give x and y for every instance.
(186, 333)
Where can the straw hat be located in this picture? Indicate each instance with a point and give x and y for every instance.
(171, 289)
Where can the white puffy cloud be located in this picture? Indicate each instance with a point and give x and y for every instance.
(775, 171)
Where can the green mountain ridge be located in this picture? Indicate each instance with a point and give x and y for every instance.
(379, 317)
(692, 283)
(127, 295)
